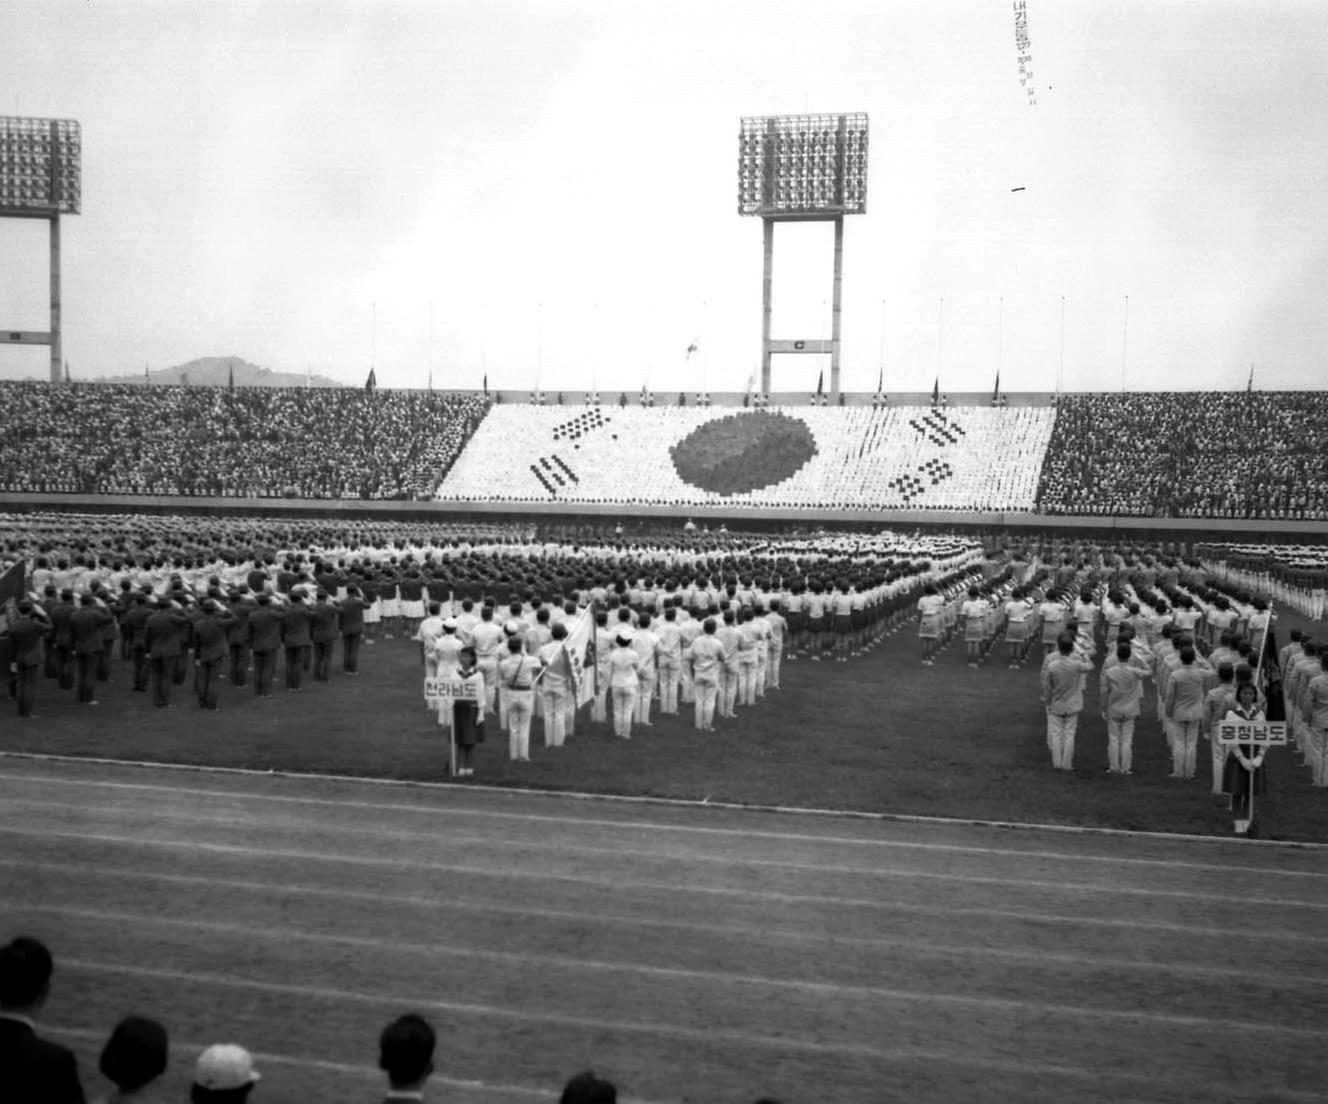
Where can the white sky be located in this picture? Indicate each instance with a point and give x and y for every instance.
(256, 176)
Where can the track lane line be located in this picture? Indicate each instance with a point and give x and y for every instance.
(263, 931)
(517, 792)
(412, 864)
(545, 844)
(453, 904)
(903, 996)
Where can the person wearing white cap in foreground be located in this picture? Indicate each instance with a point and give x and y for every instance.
(224, 1074)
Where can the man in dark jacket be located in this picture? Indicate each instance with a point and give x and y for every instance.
(263, 635)
(87, 627)
(210, 648)
(135, 619)
(323, 632)
(33, 1070)
(25, 641)
(242, 605)
(351, 609)
(163, 634)
(62, 638)
(296, 639)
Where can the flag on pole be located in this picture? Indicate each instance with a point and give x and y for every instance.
(371, 382)
(820, 383)
(580, 649)
(147, 377)
(693, 346)
(1249, 383)
(880, 380)
(936, 392)
(67, 370)
(486, 383)
(430, 377)
(996, 391)
(230, 376)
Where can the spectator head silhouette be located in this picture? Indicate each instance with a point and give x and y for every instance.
(25, 975)
(405, 1052)
(588, 1088)
(136, 1053)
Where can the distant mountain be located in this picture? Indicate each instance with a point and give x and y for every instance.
(215, 372)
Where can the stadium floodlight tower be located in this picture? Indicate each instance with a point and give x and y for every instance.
(802, 168)
(40, 178)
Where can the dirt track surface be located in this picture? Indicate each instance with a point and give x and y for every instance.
(687, 953)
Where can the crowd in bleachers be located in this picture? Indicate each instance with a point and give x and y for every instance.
(1191, 454)
(1260, 455)
(245, 442)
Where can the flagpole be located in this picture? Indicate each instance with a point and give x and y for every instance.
(940, 318)
(881, 362)
(1000, 335)
(1060, 372)
(1125, 343)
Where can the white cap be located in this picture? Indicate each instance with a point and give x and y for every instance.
(225, 1066)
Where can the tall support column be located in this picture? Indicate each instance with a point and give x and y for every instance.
(768, 226)
(834, 315)
(56, 358)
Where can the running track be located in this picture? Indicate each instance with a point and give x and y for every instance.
(689, 954)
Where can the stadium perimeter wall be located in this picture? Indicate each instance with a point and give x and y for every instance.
(397, 510)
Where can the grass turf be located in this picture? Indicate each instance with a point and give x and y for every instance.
(879, 734)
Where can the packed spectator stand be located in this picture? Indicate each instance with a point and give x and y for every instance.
(1189, 455)
(243, 442)
(1259, 455)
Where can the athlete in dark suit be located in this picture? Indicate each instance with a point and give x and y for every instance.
(296, 639)
(352, 609)
(134, 621)
(323, 619)
(163, 634)
(62, 638)
(33, 1070)
(87, 626)
(210, 648)
(25, 640)
(242, 605)
(264, 639)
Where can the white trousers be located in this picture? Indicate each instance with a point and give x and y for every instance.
(520, 709)
(669, 672)
(645, 690)
(728, 691)
(555, 716)
(706, 695)
(624, 705)
(747, 681)
(1120, 743)
(1184, 747)
(1060, 738)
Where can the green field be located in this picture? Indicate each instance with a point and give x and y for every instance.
(879, 734)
